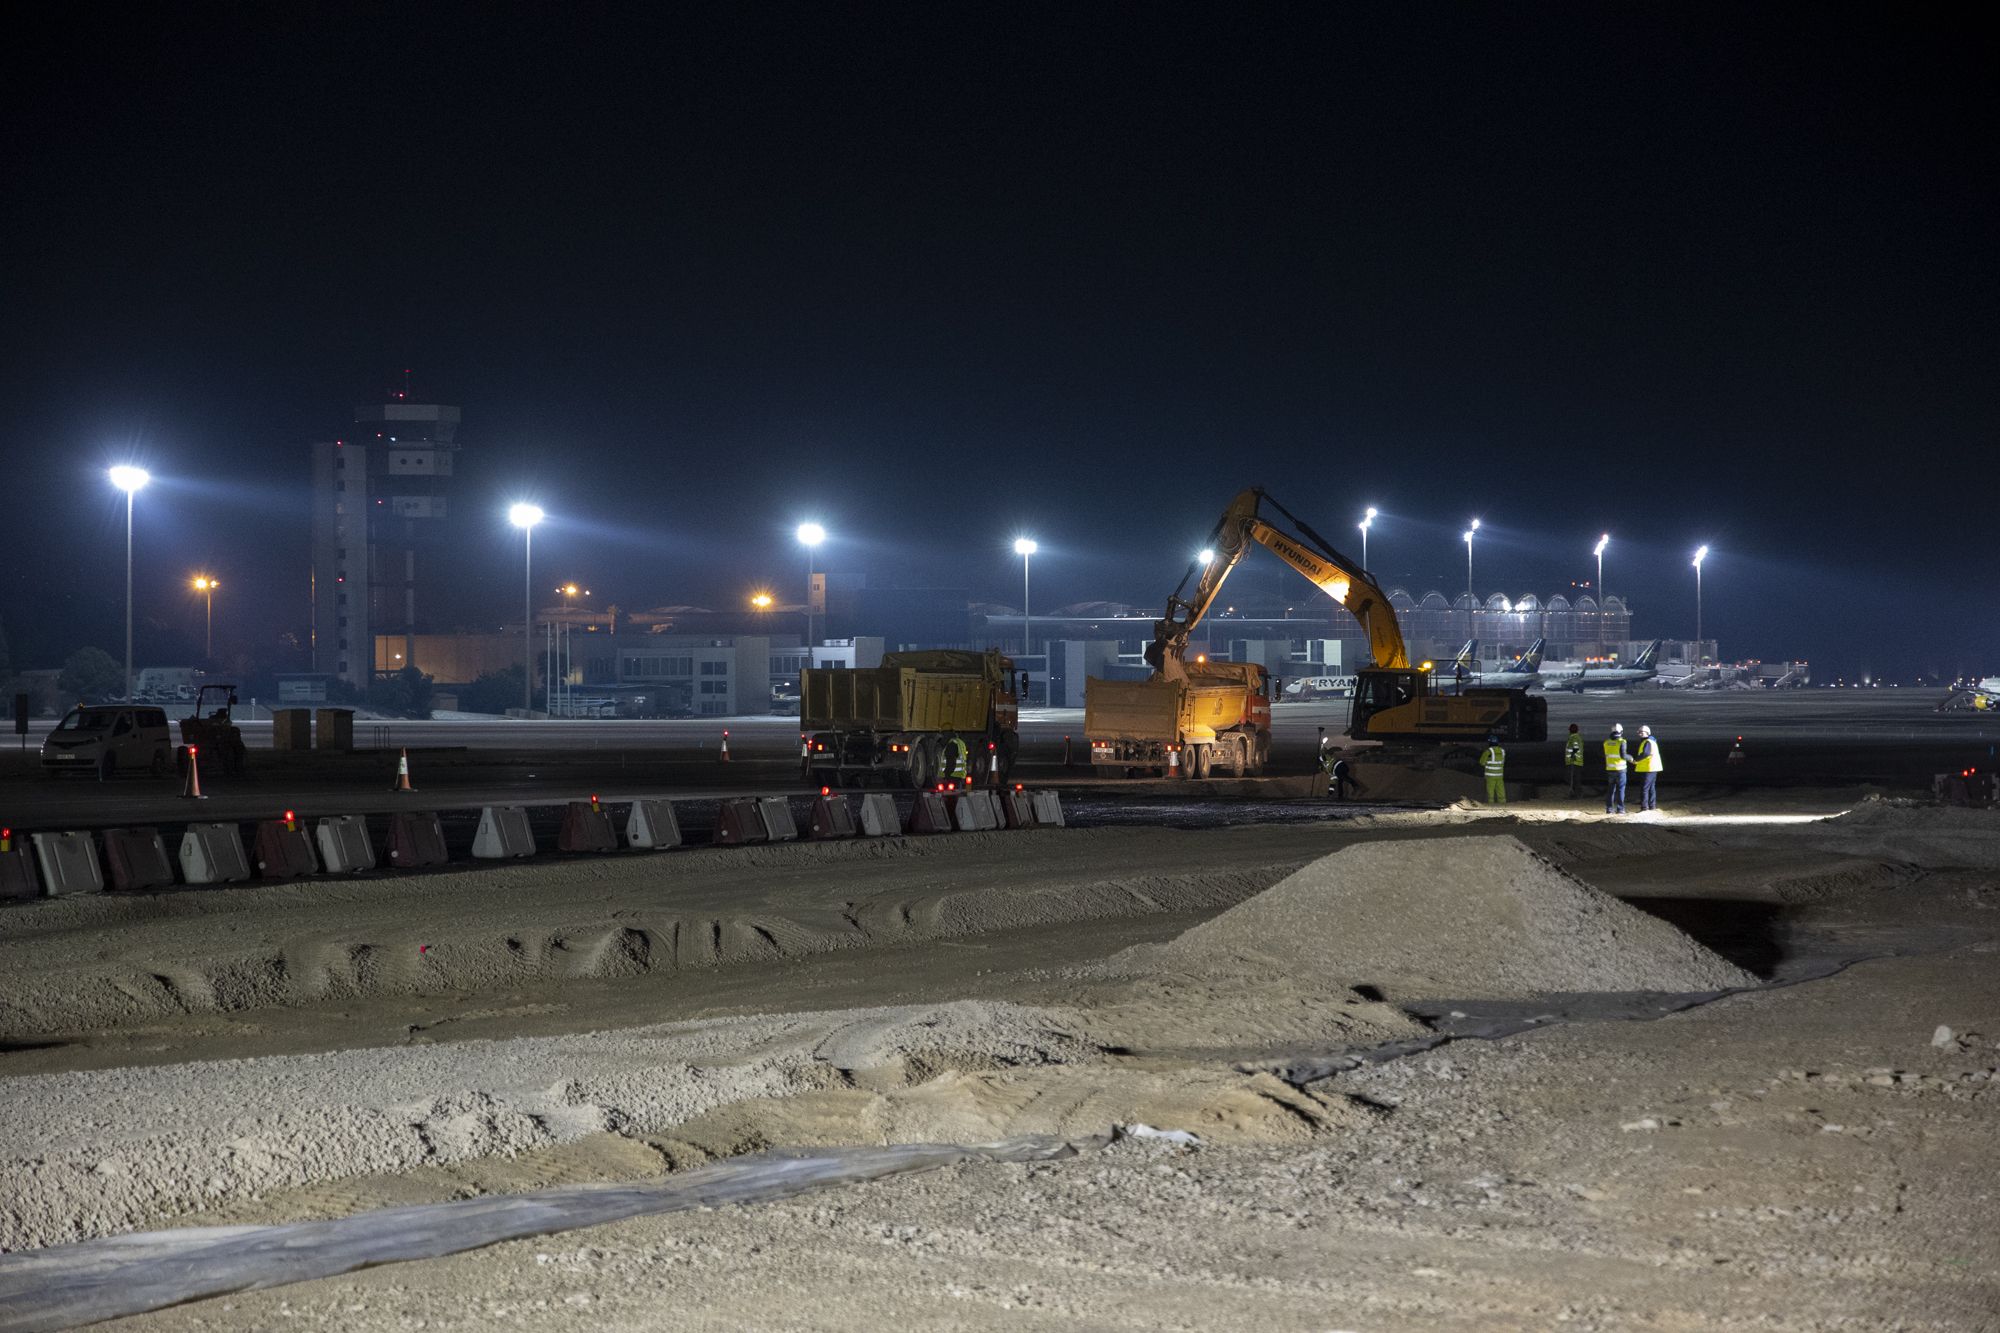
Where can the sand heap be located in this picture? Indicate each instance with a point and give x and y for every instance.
(1448, 917)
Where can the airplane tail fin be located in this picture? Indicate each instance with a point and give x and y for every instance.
(1647, 660)
(1468, 656)
(1530, 662)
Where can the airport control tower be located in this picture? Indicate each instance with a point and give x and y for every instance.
(380, 509)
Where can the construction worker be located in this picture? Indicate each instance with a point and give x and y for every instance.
(1493, 762)
(1339, 775)
(1615, 760)
(1648, 765)
(952, 760)
(1573, 760)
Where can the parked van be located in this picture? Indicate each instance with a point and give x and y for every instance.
(107, 739)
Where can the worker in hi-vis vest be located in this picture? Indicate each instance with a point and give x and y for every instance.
(1573, 760)
(1493, 762)
(1615, 760)
(954, 760)
(1648, 765)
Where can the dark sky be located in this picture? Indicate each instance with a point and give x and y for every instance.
(942, 273)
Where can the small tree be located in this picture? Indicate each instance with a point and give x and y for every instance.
(407, 692)
(493, 692)
(91, 674)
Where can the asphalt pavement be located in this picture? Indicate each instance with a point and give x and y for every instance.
(1796, 737)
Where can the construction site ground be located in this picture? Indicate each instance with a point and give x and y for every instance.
(1428, 1065)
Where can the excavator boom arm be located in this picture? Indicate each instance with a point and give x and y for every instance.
(1311, 555)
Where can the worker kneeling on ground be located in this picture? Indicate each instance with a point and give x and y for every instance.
(1573, 760)
(1648, 765)
(1615, 760)
(1493, 762)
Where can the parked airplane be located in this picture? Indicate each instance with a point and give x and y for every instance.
(1643, 667)
(1522, 672)
(1320, 687)
(1982, 694)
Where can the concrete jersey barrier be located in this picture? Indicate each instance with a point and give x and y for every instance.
(503, 833)
(416, 839)
(831, 818)
(17, 871)
(586, 827)
(344, 848)
(213, 854)
(136, 858)
(878, 815)
(928, 814)
(281, 852)
(652, 825)
(740, 821)
(69, 864)
(778, 821)
(1048, 809)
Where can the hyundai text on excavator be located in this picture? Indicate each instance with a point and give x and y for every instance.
(1204, 717)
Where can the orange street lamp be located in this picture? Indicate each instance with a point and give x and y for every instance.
(206, 586)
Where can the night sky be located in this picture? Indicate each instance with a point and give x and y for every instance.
(941, 274)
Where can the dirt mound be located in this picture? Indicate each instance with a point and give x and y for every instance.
(1416, 786)
(1925, 835)
(1462, 917)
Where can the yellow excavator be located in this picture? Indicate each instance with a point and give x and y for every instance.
(1393, 701)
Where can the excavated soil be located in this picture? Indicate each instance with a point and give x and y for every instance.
(1452, 917)
(1803, 1155)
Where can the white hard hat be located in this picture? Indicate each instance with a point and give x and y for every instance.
(1618, 728)
(1645, 731)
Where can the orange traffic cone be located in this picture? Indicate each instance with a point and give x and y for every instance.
(192, 787)
(1173, 761)
(724, 756)
(402, 782)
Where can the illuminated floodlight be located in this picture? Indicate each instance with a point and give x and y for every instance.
(1602, 542)
(525, 515)
(811, 534)
(1699, 556)
(762, 601)
(128, 478)
(1025, 546)
(1206, 556)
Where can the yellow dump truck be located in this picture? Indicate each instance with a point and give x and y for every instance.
(893, 722)
(1190, 728)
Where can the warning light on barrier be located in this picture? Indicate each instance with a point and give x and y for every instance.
(593, 803)
(1019, 787)
(826, 791)
(193, 748)
(291, 822)
(6, 840)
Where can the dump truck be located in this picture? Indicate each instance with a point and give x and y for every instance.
(1394, 701)
(891, 723)
(1196, 727)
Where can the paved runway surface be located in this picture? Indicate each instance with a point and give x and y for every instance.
(1893, 738)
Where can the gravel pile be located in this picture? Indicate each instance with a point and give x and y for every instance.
(1449, 917)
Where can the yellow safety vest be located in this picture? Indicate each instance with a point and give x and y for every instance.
(1649, 760)
(1494, 761)
(1614, 755)
(1573, 751)
(954, 759)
